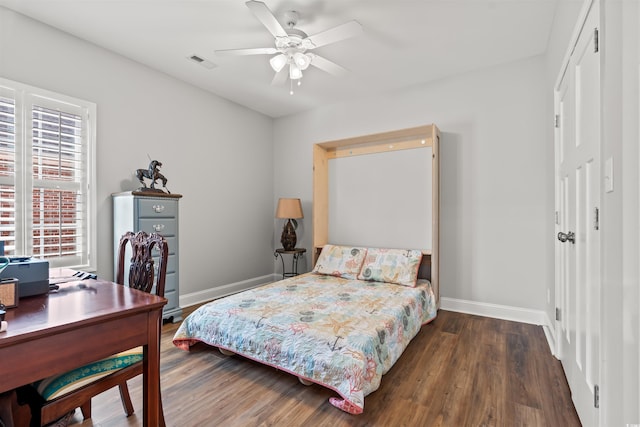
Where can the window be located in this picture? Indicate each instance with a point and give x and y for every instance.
(47, 176)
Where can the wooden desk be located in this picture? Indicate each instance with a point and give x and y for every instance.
(80, 323)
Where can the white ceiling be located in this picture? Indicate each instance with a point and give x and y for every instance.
(404, 43)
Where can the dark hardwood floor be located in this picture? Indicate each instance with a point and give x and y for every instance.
(460, 370)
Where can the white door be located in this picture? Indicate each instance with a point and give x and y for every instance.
(578, 182)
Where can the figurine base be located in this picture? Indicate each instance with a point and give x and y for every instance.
(152, 193)
(150, 190)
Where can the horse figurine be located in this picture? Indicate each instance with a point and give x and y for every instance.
(152, 173)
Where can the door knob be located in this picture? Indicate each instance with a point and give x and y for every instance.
(570, 236)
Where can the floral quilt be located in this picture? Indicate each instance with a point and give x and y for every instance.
(342, 334)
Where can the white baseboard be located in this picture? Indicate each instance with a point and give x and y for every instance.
(200, 297)
(516, 314)
(504, 312)
(550, 332)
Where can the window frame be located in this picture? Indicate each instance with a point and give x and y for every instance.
(25, 97)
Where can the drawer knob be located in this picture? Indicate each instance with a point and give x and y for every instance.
(158, 227)
(158, 208)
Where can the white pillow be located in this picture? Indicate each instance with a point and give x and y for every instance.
(399, 266)
(341, 261)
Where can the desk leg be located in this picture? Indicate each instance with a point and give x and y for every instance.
(151, 396)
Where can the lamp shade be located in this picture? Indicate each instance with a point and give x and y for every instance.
(301, 60)
(295, 73)
(278, 62)
(289, 208)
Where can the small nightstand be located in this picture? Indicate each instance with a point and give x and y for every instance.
(296, 254)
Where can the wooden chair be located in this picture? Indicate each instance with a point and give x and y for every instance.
(141, 277)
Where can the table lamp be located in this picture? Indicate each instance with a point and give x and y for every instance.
(290, 209)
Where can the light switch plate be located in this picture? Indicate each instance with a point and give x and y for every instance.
(608, 175)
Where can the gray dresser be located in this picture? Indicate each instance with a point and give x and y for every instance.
(138, 211)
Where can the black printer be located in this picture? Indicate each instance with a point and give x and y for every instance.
(32, 275)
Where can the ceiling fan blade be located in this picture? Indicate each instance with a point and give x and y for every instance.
(264, 15)
(328, 66)
(280, 77)
(250, 51)
(332, 35)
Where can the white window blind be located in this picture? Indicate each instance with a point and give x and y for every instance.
(47, 172)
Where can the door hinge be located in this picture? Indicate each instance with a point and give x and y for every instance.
(556, 121)
(596, 396)
(596, 41)
(558, 314)
(557, 218)
(596, 219)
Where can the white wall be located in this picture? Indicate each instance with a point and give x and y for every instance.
(215, 153)
(630, 33)
(620, 330)
(620, 116)
(497, 203)
(366, 208)
(630, 20)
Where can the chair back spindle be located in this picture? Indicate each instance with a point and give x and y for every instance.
(141, 267)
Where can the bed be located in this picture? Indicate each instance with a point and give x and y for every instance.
(342, 326)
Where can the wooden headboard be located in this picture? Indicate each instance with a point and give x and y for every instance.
(405, 139)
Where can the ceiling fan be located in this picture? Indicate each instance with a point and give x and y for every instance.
(292, 45)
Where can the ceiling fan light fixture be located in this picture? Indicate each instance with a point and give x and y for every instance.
(292, 45)
(301, 60)
(278, 62)
(295, 73)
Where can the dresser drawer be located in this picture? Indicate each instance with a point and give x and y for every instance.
(172, 243)
(170, 282)
(169, 285)
(172, 300)
(155, 208)
(163, 226)
(172, 264)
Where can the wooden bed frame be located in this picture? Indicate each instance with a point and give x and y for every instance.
(405, 139)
